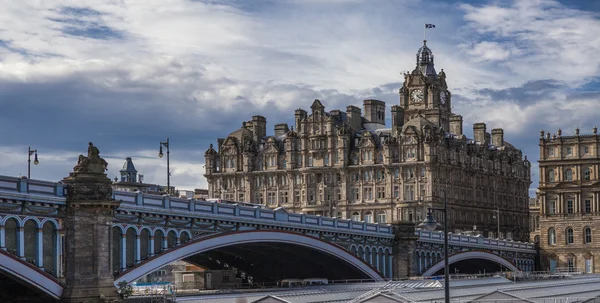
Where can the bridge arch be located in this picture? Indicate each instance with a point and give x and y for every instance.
(237, 238)
(470, 255)
(30, 275)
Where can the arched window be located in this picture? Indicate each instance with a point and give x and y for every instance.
(381, 216)
(369, 217)
(587, 235)
(569, 174)
(569, 235)
(551, 236)
(355, 216)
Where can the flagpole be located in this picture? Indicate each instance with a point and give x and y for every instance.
(425, 33)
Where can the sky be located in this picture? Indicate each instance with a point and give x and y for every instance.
(127, 74)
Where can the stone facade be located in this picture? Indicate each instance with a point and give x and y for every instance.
(350, 165)
(569, 193)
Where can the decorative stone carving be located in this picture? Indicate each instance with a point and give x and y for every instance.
(92, 163)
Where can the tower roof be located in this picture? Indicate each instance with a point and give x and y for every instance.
(425, 61)
(128, 166)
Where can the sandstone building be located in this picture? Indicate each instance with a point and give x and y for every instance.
(569, 209)
(349, 164)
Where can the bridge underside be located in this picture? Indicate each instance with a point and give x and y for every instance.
(267, 262)
(473, 266)
(13, 289)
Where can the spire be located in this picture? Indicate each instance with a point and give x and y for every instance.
(425, 61)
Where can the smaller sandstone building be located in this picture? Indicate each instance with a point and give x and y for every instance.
(350, 164)
(569, 210)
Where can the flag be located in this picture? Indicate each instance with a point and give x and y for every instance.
(429, 25)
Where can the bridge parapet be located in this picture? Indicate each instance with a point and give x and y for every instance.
(165, 204)
(15, 186)
(474, 241)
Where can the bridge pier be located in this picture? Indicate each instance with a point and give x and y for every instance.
(88, 220)
(403, 249)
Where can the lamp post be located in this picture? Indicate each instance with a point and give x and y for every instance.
(430, 224)
(160, 155)
(497, 211)
(35, 160)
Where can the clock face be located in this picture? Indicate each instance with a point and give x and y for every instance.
(416, 95)
(443, 97)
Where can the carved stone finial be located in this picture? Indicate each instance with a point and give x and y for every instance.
(210, 146)
(542, 134)
(595, 129)
(548, 135)
(577, 131)
(553, 136)
(559, 132)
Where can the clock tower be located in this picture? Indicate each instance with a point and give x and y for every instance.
(425, 93)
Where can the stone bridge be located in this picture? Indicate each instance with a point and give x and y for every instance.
(76, 239)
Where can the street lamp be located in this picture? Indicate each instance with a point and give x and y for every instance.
(160, 155)
(497, 216)
(35, 160)
(430, 224)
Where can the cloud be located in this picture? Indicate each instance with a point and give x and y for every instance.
(126, 75)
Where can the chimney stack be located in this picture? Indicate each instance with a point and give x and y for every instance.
(498, 137)
(479, 132)
(456, 125)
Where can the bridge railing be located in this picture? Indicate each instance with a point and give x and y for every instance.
(200, 207)
(471, 240)
(22, 185)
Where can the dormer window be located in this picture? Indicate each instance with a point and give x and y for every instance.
(569, 151)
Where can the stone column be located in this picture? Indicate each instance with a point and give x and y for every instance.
(403, 250)
(89, 216)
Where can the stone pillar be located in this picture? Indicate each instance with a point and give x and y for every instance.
(403, 249)
(89, 216)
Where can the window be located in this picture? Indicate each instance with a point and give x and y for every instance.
(310, 161)
(569, 235)
(284, 197)
(409, 192)
(326, 160)
(586, 174)
(571, 263)
(355, 194)
(380, 192)
(551, 176)
(569, 175)
(396, 174)
(381, 216)
(551, 236)
(552, 207)
(586, 150)
(336, 158)
(284, 164)
(587, 206)
(587, 235)
(569, 151)
(226, 277)
(396, 191)
(423, 170)
(299, 160)
(368, 217)
(355, 216)
(296, 196)
(409, 173)
(551, 151)
(569, 206)
(368, 193)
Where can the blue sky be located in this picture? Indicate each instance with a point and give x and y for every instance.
(126, 74)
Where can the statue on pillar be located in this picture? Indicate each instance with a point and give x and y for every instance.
(89, 215)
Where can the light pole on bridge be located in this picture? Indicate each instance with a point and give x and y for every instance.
(430, 224)
(160, 155)
(35, 161)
